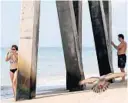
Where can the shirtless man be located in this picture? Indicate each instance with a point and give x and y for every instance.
(121, 51)
(12, 57)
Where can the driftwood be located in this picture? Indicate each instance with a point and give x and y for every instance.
(101, 83)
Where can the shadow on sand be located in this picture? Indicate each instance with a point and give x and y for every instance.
(63, 91)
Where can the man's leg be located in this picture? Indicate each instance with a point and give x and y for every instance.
(122, 70)
(121, 64)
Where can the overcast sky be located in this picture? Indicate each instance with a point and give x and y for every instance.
(49, 26)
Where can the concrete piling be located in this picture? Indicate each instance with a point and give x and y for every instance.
(101, 32)
(28, 50)
(69, 34)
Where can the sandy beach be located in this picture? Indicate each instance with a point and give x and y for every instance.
(52, 45)
(117, 93)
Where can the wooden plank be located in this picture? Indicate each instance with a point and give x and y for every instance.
(28, 48)
(74, 70)
(100, 33)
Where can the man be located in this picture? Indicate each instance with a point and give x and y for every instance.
(121, 51)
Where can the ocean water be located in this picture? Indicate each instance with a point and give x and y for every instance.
(51, 69)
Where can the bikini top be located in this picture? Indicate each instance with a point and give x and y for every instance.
(13, 61)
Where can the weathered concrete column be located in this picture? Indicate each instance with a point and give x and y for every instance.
(69, 34)
(108, 17)
(28, 49)
(77, 6)
(100, 32)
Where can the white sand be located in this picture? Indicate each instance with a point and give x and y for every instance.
(116, 93)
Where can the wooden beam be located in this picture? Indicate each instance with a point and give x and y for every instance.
(69, 34)
(100, 33)
(28, 50)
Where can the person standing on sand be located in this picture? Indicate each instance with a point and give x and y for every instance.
(12, 56)
(121, 52)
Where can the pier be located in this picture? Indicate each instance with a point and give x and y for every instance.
(70, 22)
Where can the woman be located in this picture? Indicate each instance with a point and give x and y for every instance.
(12, 56)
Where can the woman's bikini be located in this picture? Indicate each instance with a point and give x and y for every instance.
(11, 62)
(13, 70)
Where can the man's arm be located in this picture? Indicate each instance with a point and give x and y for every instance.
(120, 46)
(116, 47)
